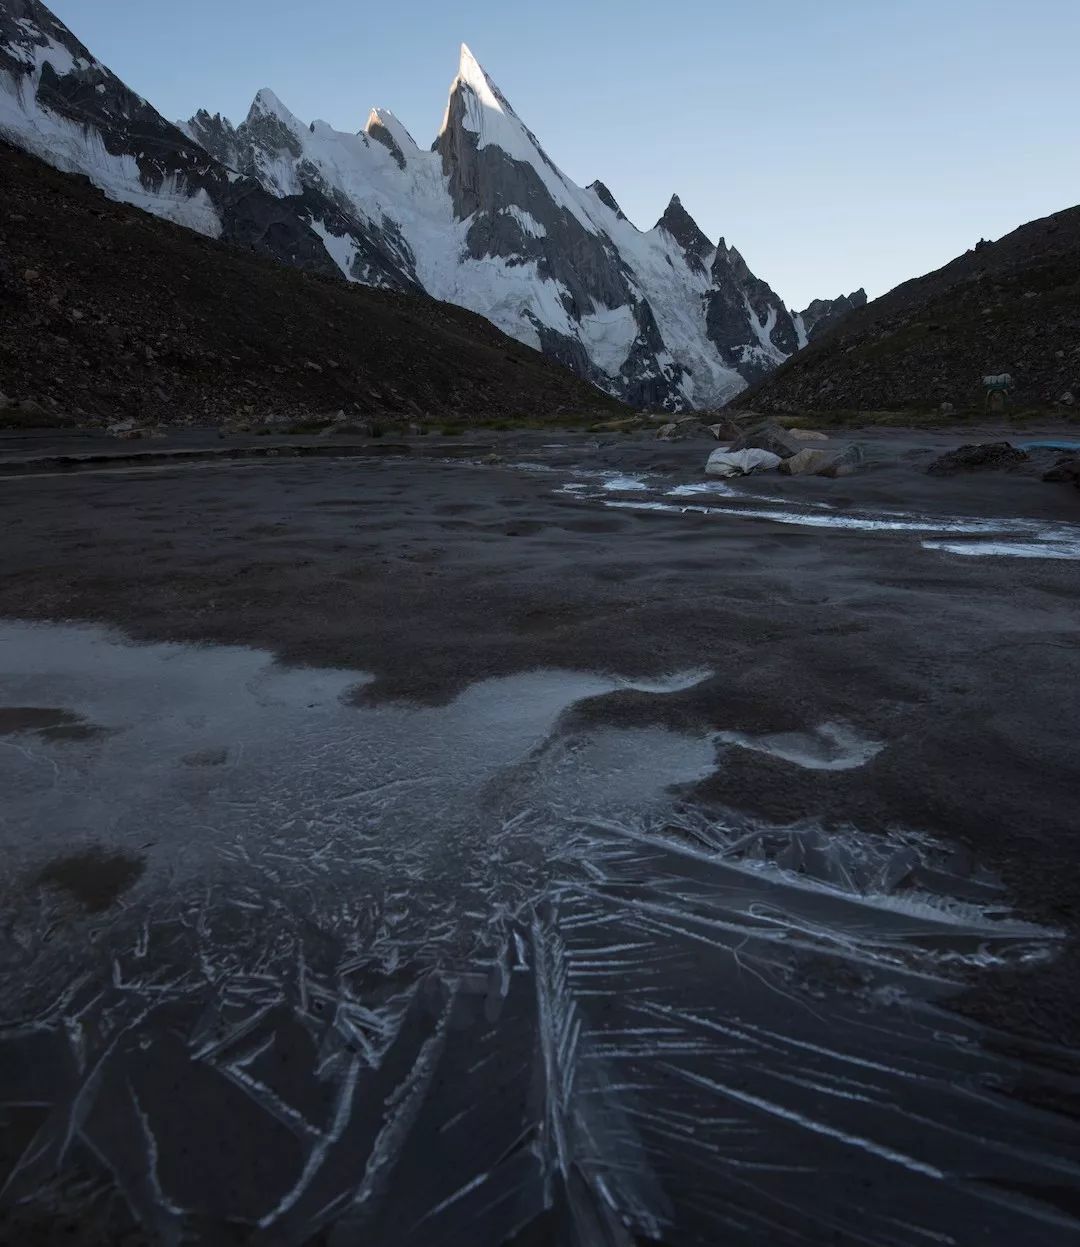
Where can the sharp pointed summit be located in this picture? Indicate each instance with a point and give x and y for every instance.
(685, 230)
(484, 218)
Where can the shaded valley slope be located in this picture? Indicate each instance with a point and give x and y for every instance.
(1007, 306)
(108, 312)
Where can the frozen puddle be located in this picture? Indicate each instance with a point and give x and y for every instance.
(1049, 549)
(1029, 538)
(830, 747)
(280, 960)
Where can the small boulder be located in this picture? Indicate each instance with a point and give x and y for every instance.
(843, 462)
(977, 457)
(741, 462)
(808, 435)
(1065, 472)
(768, 436)
(668, 433)
(724, 430)
(806, 462)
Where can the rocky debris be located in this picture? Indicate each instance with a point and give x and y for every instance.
(177, 329)
(805, 463)
(1066, 471)
(726, 463)
(768, 436)
(977, 457)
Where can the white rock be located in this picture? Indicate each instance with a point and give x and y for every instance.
(740, 462)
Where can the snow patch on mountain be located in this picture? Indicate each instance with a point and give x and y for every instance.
(75, 148)
(661, 317)
(489, 115)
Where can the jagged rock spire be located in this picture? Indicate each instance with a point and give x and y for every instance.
(677, 222)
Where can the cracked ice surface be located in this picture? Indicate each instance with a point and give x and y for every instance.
(436, 975)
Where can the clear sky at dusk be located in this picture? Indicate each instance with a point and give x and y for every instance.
(836, 143)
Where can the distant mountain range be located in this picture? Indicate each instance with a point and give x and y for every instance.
(483, 219)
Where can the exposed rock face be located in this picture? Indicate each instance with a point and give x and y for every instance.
(606, 198)
(484, 219)
(682, 227)
(738, 301)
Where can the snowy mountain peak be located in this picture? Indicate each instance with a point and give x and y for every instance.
(485, 111)
(606, 198)
(677, 222)
(474, 76)
(484, 219)
(384, 128)
(267, 104)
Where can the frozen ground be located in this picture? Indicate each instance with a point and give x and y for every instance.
(583, 875)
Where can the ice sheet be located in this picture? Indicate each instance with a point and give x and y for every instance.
(454, 974)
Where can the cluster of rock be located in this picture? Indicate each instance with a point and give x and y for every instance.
(769, 446)
(1004, 456)
(977, 457)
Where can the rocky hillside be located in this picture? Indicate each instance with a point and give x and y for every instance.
(1011, 306)
(107, 312)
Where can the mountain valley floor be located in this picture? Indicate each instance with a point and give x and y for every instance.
(564, 773)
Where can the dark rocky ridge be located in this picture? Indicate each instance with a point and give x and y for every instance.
(735, 289)
(110, 312)
(687, 233)
(823, 314)
(1007, 306)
